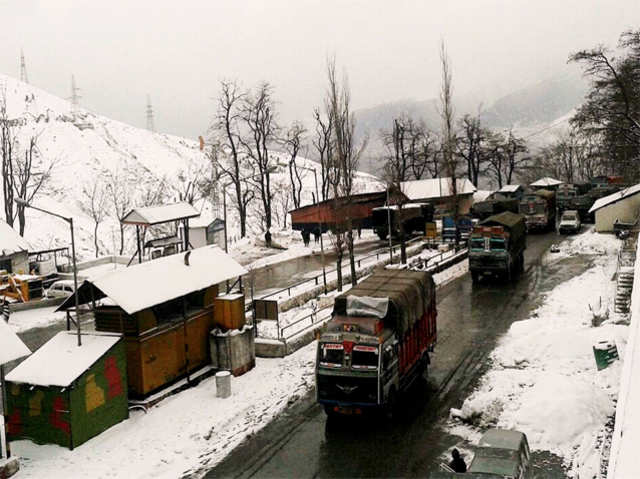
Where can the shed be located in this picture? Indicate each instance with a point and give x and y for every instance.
(623, 206)
(66, 394)
(205, 231)
(14, 250)
(164, 308)
(439, 192)
(546, 182)
(512, 191)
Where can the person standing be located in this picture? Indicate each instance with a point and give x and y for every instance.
(457, 463)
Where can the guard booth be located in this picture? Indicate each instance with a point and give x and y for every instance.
(165, 310)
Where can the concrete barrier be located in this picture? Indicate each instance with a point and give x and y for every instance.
(233, 350)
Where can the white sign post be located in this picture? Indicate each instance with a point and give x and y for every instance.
(3, 441)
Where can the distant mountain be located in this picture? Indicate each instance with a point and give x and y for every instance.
(531, 107)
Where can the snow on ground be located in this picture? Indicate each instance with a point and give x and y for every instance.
(184, 432)
(21, 321)
(543, 380)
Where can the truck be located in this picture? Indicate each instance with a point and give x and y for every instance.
(497, 245)
(412, 217)
(465, 226)
(450, 230)
(539, 210)
(377, 342)
(494, 205)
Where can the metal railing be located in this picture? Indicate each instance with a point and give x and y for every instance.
(317, 278)
(315, 317)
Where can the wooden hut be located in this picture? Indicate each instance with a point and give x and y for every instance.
(66, 394)
(164, 308)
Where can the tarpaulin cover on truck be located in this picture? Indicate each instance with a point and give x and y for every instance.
(410, 295)
(513, 222)
(546, 194)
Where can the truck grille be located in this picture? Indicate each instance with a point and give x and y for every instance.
(348, 389)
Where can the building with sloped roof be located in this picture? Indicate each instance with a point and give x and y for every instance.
(439, 192)
(14, 250)
(622, 206)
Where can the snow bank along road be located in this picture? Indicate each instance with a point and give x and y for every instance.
(471, 319)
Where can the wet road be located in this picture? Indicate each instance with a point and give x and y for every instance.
(471, 318)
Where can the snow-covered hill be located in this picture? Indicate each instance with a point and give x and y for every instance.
(86, 147)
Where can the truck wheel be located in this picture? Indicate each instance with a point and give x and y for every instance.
(521, 262)
(475, 276)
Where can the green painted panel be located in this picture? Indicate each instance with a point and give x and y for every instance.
(99, 397)
(38, 413)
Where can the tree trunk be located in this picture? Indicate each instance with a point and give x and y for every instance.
(352, 260)
(339, 269)
(95, 239)
(121, 239)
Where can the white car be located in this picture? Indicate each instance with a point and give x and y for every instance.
(569, 222)
(60, 289)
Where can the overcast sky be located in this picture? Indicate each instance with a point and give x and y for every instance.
(122, 50)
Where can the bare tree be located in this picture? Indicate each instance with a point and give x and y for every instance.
(292, 143)
(7, 145)
(118, 190)
(226, 126)
(30, 175)
(347, 152)
(449, 158)
(260, 122)
(94, 199)
(323, 144)
(471, 146)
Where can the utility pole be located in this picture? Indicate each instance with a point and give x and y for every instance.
(150, 123)
(75, 97)
(23, 68)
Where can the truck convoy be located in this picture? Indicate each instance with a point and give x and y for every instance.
(377, 342)
(497, 245)
(539, 210)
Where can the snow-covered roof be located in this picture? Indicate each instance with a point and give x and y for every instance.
(60, 361)
(510, 188)
(147, 284)
(11, 346)
(152, 215)
(481, 195)
(615, 197)
(10, 241)
(435, 188)
(546, 181)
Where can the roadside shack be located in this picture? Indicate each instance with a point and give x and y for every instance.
(165, 310)
(66, 394)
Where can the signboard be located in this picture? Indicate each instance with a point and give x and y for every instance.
(265, 309)
(431, 230)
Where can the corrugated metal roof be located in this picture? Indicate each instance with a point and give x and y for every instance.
(11, 346)
(10, 241)
(615, 197)
(152, 215)
(435, 188)
(60, 361)
(147, 284)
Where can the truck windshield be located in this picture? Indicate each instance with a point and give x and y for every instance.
(331, 355)
(364, 357)
(497, 244)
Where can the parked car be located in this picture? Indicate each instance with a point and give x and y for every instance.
(501, 453)
(569, 222)
(60, 289)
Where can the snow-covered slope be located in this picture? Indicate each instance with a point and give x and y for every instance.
(86, 147)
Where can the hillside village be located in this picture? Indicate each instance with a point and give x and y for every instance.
(434, 288)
